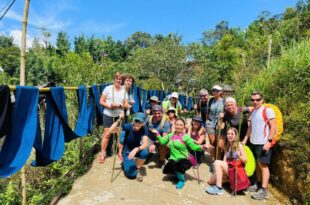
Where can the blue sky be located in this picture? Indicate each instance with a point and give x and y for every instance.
(121, 18)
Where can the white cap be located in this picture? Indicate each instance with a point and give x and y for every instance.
(174, 95)
(217, 87)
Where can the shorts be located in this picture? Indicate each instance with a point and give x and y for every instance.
(260, 155)
(108, 121)
(212, 131)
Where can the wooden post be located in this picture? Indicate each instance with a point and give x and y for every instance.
(22, 82)
(269, 52)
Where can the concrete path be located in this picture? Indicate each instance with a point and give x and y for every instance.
(95, 188)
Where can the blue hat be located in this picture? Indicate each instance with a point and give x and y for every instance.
(139, 116)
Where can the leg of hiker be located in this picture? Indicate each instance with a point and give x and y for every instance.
(181, 180)
(130, 167)
(141, 157)
(104, 142)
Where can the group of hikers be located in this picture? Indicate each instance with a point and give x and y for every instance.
(218, 126)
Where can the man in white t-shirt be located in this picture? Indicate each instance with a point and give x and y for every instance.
(261, 134)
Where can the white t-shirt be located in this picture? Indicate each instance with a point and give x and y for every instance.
(258, 125)
(119, 98)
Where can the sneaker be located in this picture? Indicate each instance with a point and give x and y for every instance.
(161, 164)
(214, 190)
(260, 194)
(252, 188)
(139, 176)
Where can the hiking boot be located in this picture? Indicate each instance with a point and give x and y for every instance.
(139, 176)
(252, 188)
(260, 194)
(215, 190)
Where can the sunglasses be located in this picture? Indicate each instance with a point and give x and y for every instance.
(215, 91)
(257, 100)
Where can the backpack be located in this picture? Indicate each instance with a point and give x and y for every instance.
(279, 120)
(241, 182)
(162, 122)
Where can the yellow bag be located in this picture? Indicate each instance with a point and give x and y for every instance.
(279, 120)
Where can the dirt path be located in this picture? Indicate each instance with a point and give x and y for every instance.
(95, 188)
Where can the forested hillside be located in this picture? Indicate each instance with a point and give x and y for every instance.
(271, 55)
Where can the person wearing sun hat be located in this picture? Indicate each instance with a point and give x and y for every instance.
(153, 101)
(173, 102)
(134, 144)
(171, 117)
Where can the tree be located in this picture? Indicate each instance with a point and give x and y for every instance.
(81, 44)
(63, 44)
(212, 36)
(9, 55)
(164, 60)
(138, 40)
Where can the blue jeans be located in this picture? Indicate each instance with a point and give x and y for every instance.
(130, 168)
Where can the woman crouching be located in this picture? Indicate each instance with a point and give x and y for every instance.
(133, 144)
(179, 142)
(234, 151)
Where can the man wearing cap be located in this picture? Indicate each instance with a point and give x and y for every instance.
(202, 106)
(173, 102)
(153, 101)
(227, 90)
(133, 144)
(159, 122)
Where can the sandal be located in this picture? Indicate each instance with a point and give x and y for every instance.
(139, 176)
(101, 158)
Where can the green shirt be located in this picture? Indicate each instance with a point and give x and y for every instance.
(179, 145)
(167, 104)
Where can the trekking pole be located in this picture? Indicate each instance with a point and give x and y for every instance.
(197, 169)
(218, 136)
(195, 101)
(114, 145)
(237, 143)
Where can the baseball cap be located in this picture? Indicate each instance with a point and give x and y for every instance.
(139, 116)
(174, 95)
(217, 87)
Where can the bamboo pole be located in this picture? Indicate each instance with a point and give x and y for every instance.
(22, 82)
(44, 90)
(269, 52)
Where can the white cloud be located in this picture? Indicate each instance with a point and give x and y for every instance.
(17, 35)
(95, 27)
(14, 16)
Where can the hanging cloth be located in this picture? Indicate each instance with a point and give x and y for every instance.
(99, 110)
(189, 103)
(5, 110)
(18, 143)
(144, 99)
(182, 99)
(136, 95)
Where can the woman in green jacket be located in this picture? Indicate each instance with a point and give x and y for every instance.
(179, 143)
